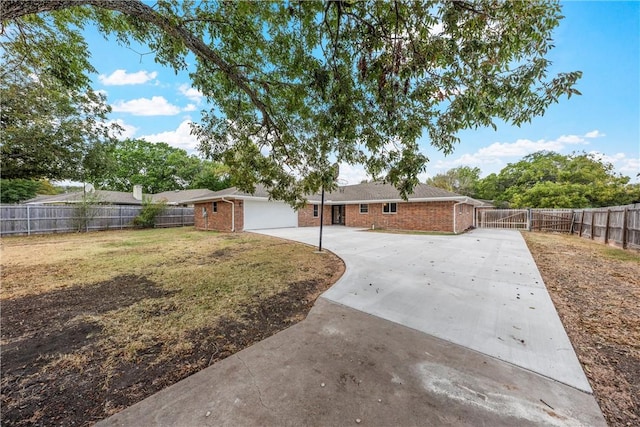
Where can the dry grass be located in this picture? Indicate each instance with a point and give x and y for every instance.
(596, 290)
(208, 275)
(118, 297)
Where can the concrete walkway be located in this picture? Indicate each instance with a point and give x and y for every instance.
(420, 330)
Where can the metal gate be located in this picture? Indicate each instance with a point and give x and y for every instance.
(517, 219)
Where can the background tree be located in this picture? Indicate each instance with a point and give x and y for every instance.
(52, 124)
(50, 132)
(213, 176)
(298, 86)
(158, 167)
(552, 180)
(462, 180)
(17, 190)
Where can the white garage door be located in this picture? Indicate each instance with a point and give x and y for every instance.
(265, 214)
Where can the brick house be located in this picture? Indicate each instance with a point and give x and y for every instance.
(234, 210)
(368, 205)
(378, 205)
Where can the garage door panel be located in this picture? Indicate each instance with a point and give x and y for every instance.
(264, 214)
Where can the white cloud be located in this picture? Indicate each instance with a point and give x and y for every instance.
(627, 166)
(191, 93)
(594, 134)
(570, 139)
(350, 175)
(606, 158)
(121, 78)
(190, 107)
(128, 131)
(630, 168)
(494, 157)
(156, 106)
(179, 138)
(496, 153)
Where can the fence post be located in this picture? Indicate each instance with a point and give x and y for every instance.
(592, 223)
(573, 220)
(581, 222)
(529, 219)
(624, 228)
(606, 228)
(28, 221)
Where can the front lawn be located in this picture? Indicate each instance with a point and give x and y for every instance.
(92, 323)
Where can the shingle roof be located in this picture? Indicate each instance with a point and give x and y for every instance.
(378, 191)
(366, 192)
(102, 196)
(232, 192)
(121, 198)
(179, 196)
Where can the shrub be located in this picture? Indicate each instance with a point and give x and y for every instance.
(147, 216)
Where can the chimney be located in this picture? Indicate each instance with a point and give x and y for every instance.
(137, 192)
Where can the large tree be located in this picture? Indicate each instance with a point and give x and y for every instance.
(297, 86)
(462, 180)
(49, 131)
(52, 124)
(552, 180)
(157, 167)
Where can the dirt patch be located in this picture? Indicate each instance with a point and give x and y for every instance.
(596, 290)
(37, 313)
(56, 370)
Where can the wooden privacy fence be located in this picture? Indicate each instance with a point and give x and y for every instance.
(26, 219)
(517, 219)
(618, 225)
(558, 220)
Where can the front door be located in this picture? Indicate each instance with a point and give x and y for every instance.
(337, 214)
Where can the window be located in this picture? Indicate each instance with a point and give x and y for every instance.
(214, 207)
(315, 211)
(364, 208)
(389, 208)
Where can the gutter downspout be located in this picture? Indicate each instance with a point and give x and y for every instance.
(233, 213)
(466, 200)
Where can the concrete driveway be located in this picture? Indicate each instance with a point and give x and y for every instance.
(420, 330)
(481, 290)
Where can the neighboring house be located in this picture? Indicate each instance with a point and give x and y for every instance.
(171, 198)
(368, 205)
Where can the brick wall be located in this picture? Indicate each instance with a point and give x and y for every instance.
(431, 216)
(221, 220)
(464, 217)
(306, 219)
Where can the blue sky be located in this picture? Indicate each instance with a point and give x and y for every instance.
(601, 39)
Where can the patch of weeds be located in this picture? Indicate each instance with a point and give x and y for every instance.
(621, 254)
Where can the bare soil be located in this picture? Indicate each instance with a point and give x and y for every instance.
(596, 291)
(60, 365)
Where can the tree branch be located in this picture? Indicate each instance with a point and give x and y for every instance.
(13, 9)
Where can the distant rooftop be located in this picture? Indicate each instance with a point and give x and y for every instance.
(177, 197)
